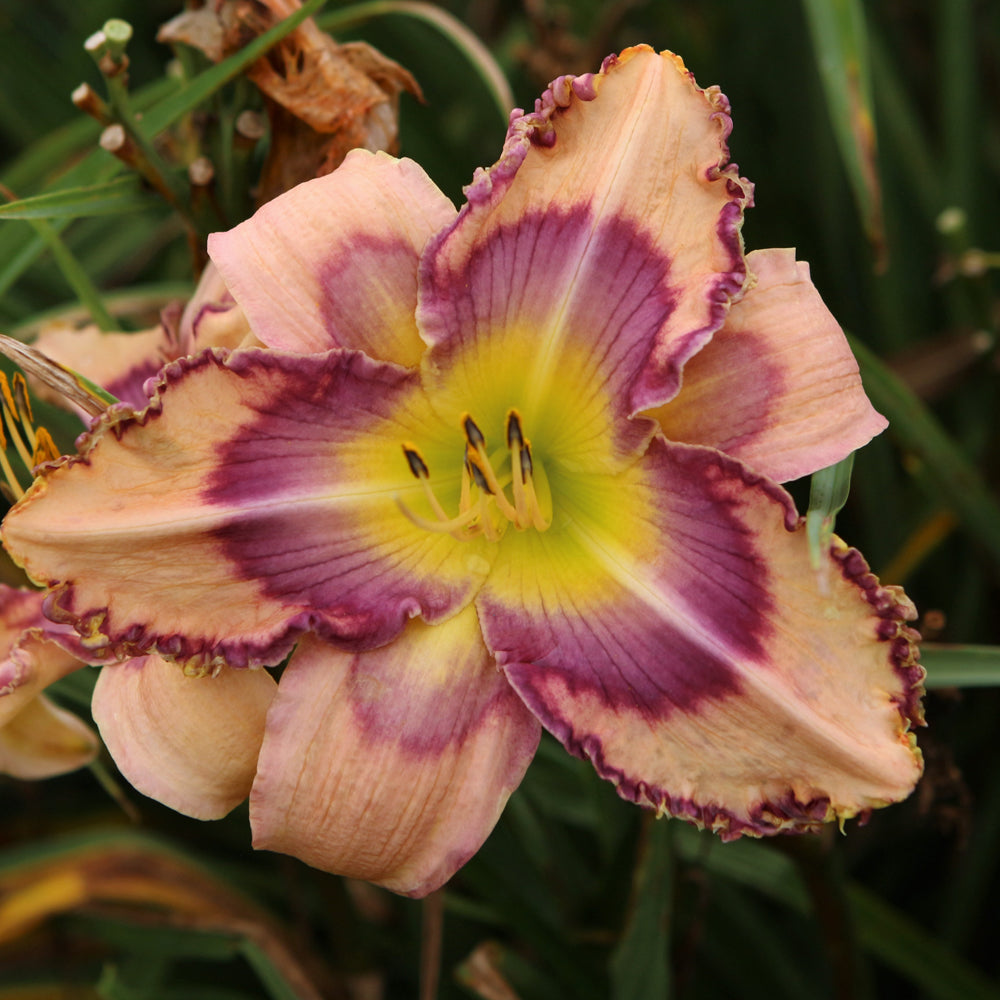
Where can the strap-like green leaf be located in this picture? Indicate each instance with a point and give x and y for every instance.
(952, 475)
(828, 492)
(961, 666)
(840, 41)
(123, 194)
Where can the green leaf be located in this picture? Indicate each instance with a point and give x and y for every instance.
(961, 666)
(123, 194)
(883, 931)
(74, 273)
(828, 492)
(840, 41)
(912, 952)
(278, 987)
(960, 113)
(640, 965)
(956, 481)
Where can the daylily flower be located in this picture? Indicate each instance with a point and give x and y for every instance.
(500, 469)
(123, 362)
(37, 738)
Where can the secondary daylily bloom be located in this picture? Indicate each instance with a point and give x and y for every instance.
(123, 362)
(503, 468)
(37, 739)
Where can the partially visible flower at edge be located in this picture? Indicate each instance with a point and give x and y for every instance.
(122, 363)
(527, 476)
(37, 738)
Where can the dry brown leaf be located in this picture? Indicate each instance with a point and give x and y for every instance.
(323, 99)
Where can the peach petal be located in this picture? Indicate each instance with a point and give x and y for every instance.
(778, 386)
(391, 765)
(188, 742)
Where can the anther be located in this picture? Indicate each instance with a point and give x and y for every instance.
(45, 447)
(472, 433)
(20, 387)
(527, 466)
(478, 475)
(514, 436)
(417, 465)
(33, 445)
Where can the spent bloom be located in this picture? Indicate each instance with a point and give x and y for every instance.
(499, 469)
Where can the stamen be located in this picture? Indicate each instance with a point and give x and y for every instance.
(419, 469)
(514, 436)
(535, 504)
(33, 445)
(449, 526)
(481, 468)
(45, 447)
(527, 466)
(20, 387)
(484, 508)
(472, 433)
(478, 475)
(10, 487)
(414, 459)
(12, 418)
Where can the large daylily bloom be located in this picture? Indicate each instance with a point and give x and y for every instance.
(37, 738)
(500, 469)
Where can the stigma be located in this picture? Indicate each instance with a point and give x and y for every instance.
(485, 508)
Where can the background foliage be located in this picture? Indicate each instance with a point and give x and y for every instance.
(872, 132)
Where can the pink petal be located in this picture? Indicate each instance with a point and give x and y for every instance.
(257, 498)
(674, 633)
(211, 317)
(391, 765)
(778, 386)
(607, 237)
(188, 742)
(333, 262)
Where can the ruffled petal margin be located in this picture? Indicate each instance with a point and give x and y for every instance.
(778, 386)
(391, 765)
(188, 742)
(676, 635)
(607, 235)
(257, 498)
(333, 261)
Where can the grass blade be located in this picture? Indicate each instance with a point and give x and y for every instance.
(915, 953)
(960, 666)
(840, 41)
(123, 194)
(957, 483)
(640, 963)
